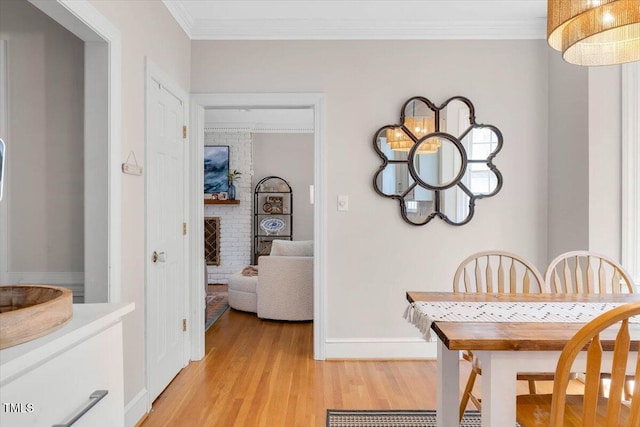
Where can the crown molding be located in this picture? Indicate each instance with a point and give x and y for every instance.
(181, 15)
(347, 20)
(305, 29)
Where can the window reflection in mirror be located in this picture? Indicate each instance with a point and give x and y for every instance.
(479, 143)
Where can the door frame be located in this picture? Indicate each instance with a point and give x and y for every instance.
(315, 101)
(101, 38)
(155, 74)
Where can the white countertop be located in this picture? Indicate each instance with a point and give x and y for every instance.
(87, 321)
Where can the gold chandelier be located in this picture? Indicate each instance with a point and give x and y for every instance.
(419, 127)
(595, 32)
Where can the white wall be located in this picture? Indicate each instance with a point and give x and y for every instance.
(373, 257)
(146, 29)
(45, 147)
(235, 220)
(568, 156)
(584, 158)
(605, 161)
(290, 156)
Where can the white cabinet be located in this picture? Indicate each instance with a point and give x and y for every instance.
(48, 385)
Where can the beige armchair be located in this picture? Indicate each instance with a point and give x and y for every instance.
(285, 281)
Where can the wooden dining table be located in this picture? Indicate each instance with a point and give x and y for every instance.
(504, 349)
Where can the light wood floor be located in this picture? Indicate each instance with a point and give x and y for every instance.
(262, 373)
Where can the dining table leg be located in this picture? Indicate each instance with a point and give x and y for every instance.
(499, 387)
(448, 388)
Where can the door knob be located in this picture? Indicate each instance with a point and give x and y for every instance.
(158, 257)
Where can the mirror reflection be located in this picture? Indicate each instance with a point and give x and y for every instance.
(437, 161)
(455, 118)
(395, 143)
(420, 206)
(479, 179)
(394, 179)
(455, 204)
(419, 119)
(480, 142)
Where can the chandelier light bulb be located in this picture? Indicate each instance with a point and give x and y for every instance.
(607, 18)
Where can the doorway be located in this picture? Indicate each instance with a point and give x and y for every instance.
(312, 101)
(257, 143)
(101, 147)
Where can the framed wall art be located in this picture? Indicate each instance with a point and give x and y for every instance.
(216, 169)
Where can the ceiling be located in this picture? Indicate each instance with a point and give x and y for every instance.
(360, 19)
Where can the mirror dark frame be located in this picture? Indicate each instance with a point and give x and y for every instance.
(454, 184)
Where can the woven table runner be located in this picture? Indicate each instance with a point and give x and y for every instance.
(423, 314)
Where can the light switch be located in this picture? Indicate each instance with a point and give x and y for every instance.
(343, 203)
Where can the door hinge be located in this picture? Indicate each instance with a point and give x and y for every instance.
(184, 131)
(184, 228)
(184, 325)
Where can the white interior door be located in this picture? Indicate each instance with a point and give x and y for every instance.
(166, 286)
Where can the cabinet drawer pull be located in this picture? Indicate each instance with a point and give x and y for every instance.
(95, 397)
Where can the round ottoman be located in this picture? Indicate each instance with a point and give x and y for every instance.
(242, 292)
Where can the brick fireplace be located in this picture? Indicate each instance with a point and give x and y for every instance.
(234, 227)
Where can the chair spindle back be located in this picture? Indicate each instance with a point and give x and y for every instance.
(497, 272)
(584, 272)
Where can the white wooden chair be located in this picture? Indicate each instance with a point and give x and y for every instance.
(585, 272)
(495, 272)
(579, 272)
(590, 409)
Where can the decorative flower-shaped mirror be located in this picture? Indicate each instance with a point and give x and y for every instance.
(438, 161)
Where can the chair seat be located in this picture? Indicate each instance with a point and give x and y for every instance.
(533, 410)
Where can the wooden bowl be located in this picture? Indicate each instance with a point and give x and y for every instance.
(28, 312)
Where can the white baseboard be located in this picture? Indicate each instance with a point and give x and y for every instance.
(135, 409)
(73, 280)
(380, 348)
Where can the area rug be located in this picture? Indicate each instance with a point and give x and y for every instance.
(415, 418)
(217, 303)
